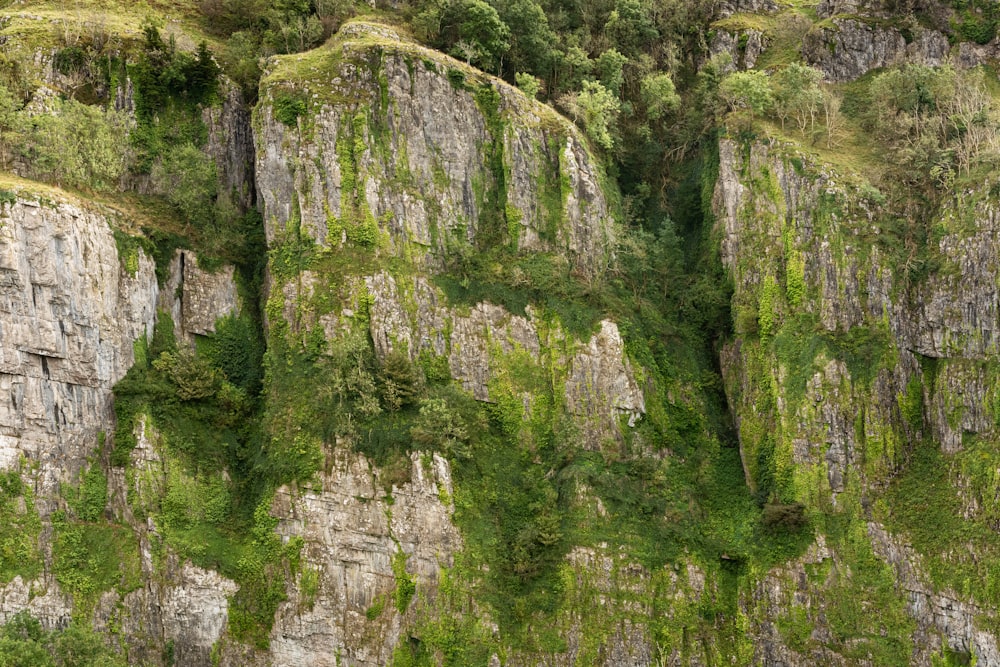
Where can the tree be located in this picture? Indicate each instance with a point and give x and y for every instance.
(399, 380)
(597, 109)
(659, 95)
(187, 177)
(77, 144)
(749, 91)
(472, 30)
(528, 84)
(797, 94)
(531, 39)
(630, 27)
(439, 427)
(610, 68)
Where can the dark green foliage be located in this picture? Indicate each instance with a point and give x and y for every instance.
(287, 108)
(439, 427)
(399, 381)
(240, 62)
(954, 658)
(787, 517)
(470, 30)
(188, 179)
(456, 78)
(24, 643)
(171, 88)
(911, 404)
(285, 26)
(976, 22)
(75, 145)
(206, 409)
(237, 350)
(19, 529)
(69, 60)
(435, 367)
(261, 568)
(514, 282)
(870, 583)
(923, 502)
(165, 76)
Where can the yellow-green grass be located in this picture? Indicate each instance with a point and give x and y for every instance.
(33, 24)
(131, 212)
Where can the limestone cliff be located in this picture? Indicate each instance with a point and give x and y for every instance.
(438, 427)
(433, 153)
(394, 166)
(845, 374)
(76, 298)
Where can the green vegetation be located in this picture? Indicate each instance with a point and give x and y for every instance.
(23, 641)
(92, 558)
(201, 412)
(247, 412)
(19, 553)
(406, 586)
(930, 479)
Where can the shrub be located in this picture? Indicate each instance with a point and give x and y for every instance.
(779, 516)
(288, 108)
(529, 85)
(187, 177)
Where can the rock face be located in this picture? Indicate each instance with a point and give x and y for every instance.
(196, 298)
(230, 144)
(360, 538)
(842, 369)
(72, 305)
(383, 166)
(852, 47)
(743, 47)
(70, 309)
(729, 7)
(396, 169)
(419, 145)
(599, 384)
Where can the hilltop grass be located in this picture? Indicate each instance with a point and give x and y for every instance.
(309, 74)
(34, 24)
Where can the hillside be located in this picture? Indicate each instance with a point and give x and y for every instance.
(512, 333)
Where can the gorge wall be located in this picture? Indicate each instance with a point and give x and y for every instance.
(432, 427)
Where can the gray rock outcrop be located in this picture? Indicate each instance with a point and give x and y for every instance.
(405, 142)
(353, 529)
(69, 312)
(599, 384)
(71, 305)
(196, 298)
(843, 423)
(852, 47)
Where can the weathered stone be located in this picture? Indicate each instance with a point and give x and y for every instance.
(230, 144)
(70, 309)
(196, 298)
(852, 47)
(950, 317)
(417, 146)
(726, 8)
(743, 47)
(601, 387)
(600, 384)
(69, 312)
(353, 528)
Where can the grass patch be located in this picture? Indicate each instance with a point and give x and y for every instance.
(20, 527)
